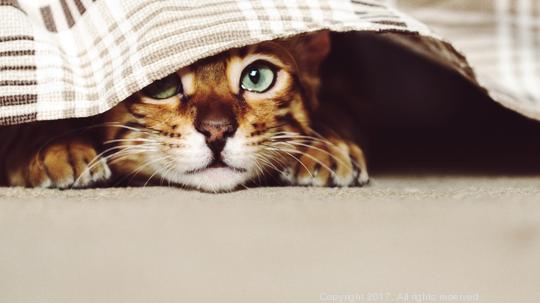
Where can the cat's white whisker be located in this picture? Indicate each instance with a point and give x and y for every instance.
(322, 137)
(95, 161)
(345, 164)
(100, 155)
(316, 139)
(299, 136)
(132, 140)
(120, 125)
(288, 152)
(312, 158)
(124, 154)
(168, 168)
(268, 163)
(156, 171)
(145, 164)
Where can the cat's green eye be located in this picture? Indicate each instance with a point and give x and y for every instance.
(258, 77)
(164, 88)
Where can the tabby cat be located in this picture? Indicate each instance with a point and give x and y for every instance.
(228, 121)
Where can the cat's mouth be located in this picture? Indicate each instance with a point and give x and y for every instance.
(216, 164)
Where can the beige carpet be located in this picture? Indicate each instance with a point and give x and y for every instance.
(403, 239)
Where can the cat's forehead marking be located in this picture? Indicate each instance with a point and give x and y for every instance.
(210, 76)
(234, 70)
(211, 71)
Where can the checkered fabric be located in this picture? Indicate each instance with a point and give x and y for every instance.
(77, 58)
(501, 39)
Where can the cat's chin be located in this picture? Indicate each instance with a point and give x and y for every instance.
(220, 179)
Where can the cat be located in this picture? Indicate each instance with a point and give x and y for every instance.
(243, 116)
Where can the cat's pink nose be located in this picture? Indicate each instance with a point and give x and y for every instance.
(217, 122)
(216, 133)
(216, 130)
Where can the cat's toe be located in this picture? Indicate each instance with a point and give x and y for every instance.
(94, 174)
(362, 179)
(358, 159)
(349, 165)
(355, 178)
(68, 165)
(90, 169)
(51, 168)
(100, 171)
(337, 165)
(316, 179)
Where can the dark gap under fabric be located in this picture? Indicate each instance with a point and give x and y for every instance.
(417, 117)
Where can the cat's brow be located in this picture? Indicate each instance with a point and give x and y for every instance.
(188, 81)
(234, 71)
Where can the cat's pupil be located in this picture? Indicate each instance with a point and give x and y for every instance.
(255, 76)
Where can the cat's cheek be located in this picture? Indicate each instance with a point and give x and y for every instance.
(194, 154)
(236, 152)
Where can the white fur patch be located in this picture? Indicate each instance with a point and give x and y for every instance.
(65, 183)
(195, 155)
(346, 165)
(236, 152)
(213, 179)
(188, 81)
(363, 177)
(46, 183)
(103, 172)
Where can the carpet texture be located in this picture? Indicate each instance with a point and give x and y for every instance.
(402, 239)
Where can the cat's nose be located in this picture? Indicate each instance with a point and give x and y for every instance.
(216, 133)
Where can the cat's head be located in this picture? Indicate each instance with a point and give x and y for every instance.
(212, 125)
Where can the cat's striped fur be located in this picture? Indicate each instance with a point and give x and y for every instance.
(213, 135)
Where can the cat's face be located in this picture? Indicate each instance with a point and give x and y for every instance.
(212, 125)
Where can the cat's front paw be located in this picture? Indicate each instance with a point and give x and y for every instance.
(71, 164)
(333, 164)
